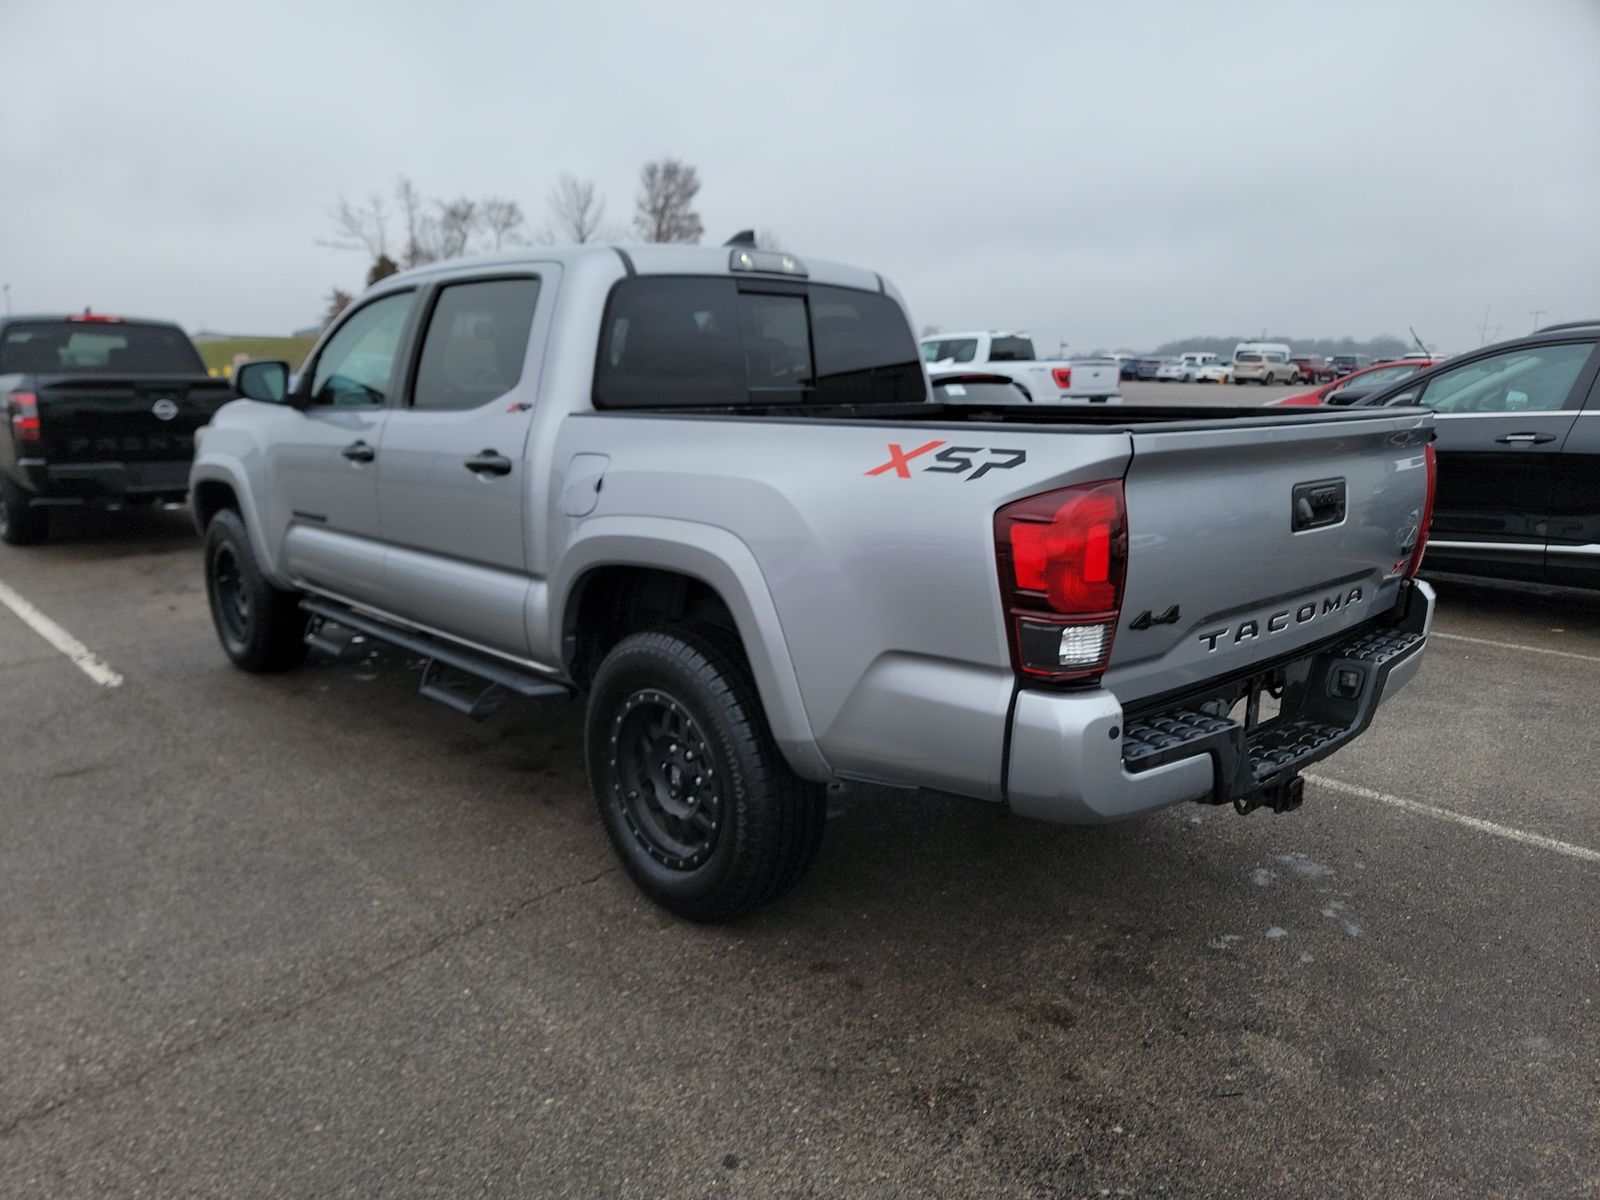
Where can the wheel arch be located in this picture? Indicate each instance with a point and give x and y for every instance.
(713, 570)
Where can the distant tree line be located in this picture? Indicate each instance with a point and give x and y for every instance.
(406, 229)
(1386, 346)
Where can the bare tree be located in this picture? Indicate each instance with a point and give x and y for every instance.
(454, 223)
(414, 252)
(929, 330)
(665, 207)
(577, 213)
(502, 221)
(767, 239)
(360, 226)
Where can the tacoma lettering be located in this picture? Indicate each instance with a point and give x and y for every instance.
(1250, 630)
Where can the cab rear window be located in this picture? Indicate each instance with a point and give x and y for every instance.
(692, 342)
(44, 347)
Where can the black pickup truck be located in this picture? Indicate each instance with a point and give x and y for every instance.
(98, 411)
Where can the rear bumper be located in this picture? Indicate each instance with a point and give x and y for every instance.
(68, 484)
(1078, 758)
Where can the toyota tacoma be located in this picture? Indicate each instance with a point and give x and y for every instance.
(713, 492)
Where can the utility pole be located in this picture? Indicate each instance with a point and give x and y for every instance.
(1485, 332)
(6, 288)
(1536, 314)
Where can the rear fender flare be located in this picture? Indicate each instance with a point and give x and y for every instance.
(724, 563)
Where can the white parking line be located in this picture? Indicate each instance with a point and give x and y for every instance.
(1581, 853)
(1458, 637)
(86, 660)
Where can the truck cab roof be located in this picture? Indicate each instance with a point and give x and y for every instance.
(650, 259)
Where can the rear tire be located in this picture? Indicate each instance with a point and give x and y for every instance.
(262, 628)
(708, 819)
(20, 525)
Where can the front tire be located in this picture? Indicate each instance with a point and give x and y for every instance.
(262, 628)
(708, 819)
(20, 524)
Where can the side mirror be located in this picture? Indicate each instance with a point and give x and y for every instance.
(265, 379)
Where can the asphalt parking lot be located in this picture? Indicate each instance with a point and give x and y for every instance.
(313, 935)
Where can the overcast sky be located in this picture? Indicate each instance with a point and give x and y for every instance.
(1113, 175)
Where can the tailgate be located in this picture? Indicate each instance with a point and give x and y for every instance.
(1095, 378)
(1247, 542)
(124, 418)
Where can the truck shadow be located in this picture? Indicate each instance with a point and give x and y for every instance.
(125, 533)
(1574, 610)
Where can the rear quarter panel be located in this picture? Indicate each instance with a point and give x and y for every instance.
(881, 576)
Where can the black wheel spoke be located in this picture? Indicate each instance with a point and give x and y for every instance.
(662, 781)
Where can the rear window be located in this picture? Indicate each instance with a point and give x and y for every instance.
(42, 347)
(1247, 357)
(1011, 349)
(698, 342)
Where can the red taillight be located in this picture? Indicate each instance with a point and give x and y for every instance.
(1062, 556)
(1431, 462)
(1063, 376)
(96, 319)
(25, 416)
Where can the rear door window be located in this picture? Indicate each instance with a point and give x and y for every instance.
(475, 344)
(957, 350)
(704, 342)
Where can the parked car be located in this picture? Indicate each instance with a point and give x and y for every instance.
(1172, 370)
(1148, 367)
(1127, 366)
(1012, 354)
(1346, 364)
(1213, 372)
(1518, 441)
(711, 491)
(1263, 366)
(1311, 368)
(1189, 364)
(1351, 388)
(101, 412)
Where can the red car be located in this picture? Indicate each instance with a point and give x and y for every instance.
(1352, 387)
(1313, 369)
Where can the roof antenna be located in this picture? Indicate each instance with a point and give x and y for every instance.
(745, 237)
(1417, 340)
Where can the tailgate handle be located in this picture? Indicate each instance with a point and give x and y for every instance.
(1318, 503)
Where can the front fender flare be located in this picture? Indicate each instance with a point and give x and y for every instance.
(221, 471)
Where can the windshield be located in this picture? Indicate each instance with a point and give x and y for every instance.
(44, 347)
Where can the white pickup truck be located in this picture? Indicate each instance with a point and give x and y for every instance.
(1076, 381)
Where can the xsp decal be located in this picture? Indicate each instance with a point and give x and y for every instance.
(972, 461)
(899, 459)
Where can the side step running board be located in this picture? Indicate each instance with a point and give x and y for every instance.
(477, 695)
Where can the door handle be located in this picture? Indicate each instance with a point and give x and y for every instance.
(1525, 439)
(489, 462)
(359, 452)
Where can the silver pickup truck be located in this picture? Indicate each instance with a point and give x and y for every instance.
(713, 491)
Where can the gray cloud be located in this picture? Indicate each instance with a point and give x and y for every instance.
(1112, 175)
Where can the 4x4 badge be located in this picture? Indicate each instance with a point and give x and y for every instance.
(1144, 620)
